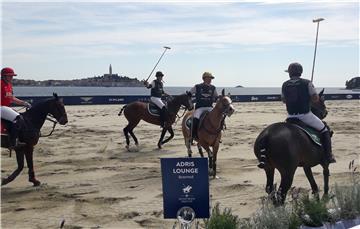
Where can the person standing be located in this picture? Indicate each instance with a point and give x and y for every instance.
(157, 91)
(7, 98)
(205, 95)
(297, 94)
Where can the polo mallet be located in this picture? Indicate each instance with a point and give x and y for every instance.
(316, 40)
(166, 48)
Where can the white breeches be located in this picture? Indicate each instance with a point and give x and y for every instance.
(311, 120)
(8, 114)
(201, 110)
(158, 102)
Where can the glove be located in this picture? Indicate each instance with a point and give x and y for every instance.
(27, 105)
(146, 83)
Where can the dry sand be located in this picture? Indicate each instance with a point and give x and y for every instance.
(90, 180)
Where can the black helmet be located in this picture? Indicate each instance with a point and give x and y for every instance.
(159, 74)
(294, 69)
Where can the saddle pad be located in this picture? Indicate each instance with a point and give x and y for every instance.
(153, 109)
(313, 134)
(3, 128)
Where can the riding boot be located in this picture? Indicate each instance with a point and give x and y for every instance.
(326, 142)
(162, 117)
(195, 124)
(14, 130)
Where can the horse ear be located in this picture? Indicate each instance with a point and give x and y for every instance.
(223, 92)
(55, 96)
(321, 92)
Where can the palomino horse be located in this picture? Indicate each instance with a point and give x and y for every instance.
(209, 131)
(34, 119)
(284, 147)
(137, 111)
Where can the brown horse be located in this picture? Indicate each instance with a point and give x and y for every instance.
(34, 119)
(284, 147)
(137, 111)
(209, 131)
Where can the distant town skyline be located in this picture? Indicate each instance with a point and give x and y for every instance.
(241, 43)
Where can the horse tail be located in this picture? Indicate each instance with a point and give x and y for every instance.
(122, 109)
(261, 149)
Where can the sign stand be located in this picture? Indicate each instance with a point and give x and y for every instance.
(185, 216)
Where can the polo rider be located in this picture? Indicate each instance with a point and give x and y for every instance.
(14, 119)
(157, 91)
(205, 95)
(298, 94)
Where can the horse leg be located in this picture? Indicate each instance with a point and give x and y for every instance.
(215, 150)
(129, 129)
(20, 163)
(200, 150)
(30, 164)
(326, 174)
(163, 132)
(210, 155)
(269, 179)
(310, 177)
(126, 133)
(171, 131)
(285, 184)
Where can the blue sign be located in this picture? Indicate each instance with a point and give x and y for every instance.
(185, 182)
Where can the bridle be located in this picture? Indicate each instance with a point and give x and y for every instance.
(52, 119)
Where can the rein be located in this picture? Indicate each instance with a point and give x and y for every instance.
(51, 119)
(179, 117)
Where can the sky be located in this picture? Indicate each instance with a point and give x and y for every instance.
(241, 43)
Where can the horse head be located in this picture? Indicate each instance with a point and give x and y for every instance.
(57, 109)
(318, 108)
(224, 103)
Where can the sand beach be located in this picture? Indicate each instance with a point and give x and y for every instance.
(89, 179)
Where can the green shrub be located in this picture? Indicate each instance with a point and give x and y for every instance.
(312, 211)
(223, 220)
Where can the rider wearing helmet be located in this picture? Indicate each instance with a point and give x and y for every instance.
(298, 94)
(157, 91)
(205, 94)
(7, 98)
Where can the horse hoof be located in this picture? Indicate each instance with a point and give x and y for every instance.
(35, 182)
(127, 148)
(4, 181)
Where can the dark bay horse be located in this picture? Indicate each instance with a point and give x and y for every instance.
(136, 111)
(285, 147)
(34, 119)
(209, 131)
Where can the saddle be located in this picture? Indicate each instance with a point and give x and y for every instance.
(313, 134)
(4, 127)
(189, 120)
(153, 109)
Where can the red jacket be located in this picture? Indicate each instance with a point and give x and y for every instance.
(6, 93)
